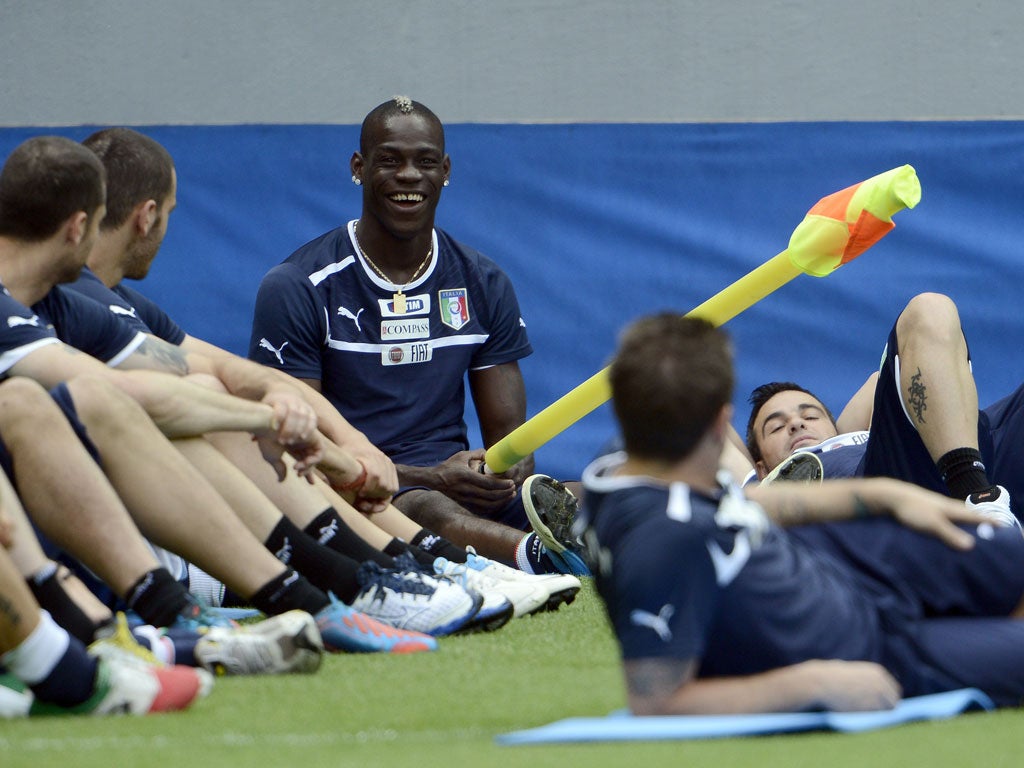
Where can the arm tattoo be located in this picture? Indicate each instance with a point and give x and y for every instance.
(8, 610)
(657, 678)
(162, 356)
(917, 394)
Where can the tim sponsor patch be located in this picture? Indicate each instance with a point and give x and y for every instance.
(406, 354)
(418, 304)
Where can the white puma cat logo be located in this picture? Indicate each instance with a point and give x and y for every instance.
(354, 318)
(122, 311)
(14, 320)
(659, 622)
(264, 344)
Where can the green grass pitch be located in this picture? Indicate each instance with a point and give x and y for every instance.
(444, 709)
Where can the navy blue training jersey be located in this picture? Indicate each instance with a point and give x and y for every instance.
(398, 377)
(66, 316)
(130, 306)
(685, 576)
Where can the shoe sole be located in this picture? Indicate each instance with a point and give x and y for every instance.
(541, 519)
(495, 621)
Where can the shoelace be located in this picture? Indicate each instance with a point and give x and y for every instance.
(403, 582)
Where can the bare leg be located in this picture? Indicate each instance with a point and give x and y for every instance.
(938, 389)
(28, 556)
(445, 517)
(81, 513)
(174, 506)
(259, 513)
(19, 612)
(294, 496)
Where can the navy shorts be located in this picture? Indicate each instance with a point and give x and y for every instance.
(943, 654)
(1004, 421)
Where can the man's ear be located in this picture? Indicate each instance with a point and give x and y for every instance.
(75, 227)
(144, 217)
(761, 469)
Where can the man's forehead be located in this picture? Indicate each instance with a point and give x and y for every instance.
(401, 131)
(788, 400)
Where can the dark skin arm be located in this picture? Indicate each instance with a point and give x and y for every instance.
(499, 395)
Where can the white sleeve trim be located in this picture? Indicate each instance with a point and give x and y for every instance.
(12, 356)
(127, 350)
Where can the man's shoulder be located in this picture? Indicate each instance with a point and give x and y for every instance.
(326, 249)
(467, 255)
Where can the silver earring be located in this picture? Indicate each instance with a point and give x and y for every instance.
(446, 182)
(356, 180)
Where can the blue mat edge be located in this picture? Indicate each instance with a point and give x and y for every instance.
(621, 726)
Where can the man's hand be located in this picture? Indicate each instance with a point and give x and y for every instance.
(852, 686)
(381, 475)
(459, 477)
(517, 473)
(933, 514)
(294, 418)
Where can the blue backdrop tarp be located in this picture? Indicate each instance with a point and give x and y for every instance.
(597, 224)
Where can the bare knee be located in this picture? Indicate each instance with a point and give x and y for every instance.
(100, 404)
(24, 404)
(930, 317)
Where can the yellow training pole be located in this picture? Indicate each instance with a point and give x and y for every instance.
(835, 231)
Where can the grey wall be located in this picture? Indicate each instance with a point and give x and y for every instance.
(72, 62)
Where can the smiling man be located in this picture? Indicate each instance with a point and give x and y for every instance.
(387, 315)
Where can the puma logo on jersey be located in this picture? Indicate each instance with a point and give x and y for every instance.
(728, 566)
(354, 318)
(264, 344)
(122, 311)
(14, 320)
(658, 622)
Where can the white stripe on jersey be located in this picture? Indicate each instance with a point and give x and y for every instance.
(322, 274)
(12, 356)
(376, 349)
(128, 349)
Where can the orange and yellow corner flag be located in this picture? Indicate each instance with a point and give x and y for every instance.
(835, 231)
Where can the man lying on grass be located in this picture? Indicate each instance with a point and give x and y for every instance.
(719, 609)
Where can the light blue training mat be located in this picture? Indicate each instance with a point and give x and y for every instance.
(621, 726)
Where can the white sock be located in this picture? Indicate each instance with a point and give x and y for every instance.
(35, 658)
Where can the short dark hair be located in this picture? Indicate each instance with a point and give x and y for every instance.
(398, 105)
(670, 379)
(762, 395)
(44, 181)
(138, 169)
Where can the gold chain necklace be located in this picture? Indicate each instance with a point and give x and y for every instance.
(398, 297)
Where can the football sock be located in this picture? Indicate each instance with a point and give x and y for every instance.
(963, 472)
(290, 590)
(49, 592)
(330, 530)
(438, 546)
(53, 664)
(530, 554)
(325, 568)
(158, 598)
(397, 547)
